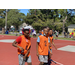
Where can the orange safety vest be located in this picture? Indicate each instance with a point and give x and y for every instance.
(51, 38)
(42, 32)
(25, 44)
(43, 45)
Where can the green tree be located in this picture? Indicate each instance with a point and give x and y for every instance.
(15, 18)
(54, 18)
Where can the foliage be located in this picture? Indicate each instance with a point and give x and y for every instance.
(39, 18)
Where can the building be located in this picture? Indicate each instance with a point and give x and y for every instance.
(24, 25)
(71, 27)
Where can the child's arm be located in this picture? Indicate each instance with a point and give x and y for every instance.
(37, 49)
(27, 53)
(54, 45)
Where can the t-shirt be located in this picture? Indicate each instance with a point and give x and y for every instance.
(40, 34)
(18, 40)
(34, 32)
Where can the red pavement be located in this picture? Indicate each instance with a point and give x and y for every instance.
(9, 56)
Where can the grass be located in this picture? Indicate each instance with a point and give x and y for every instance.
(10, 34)
(62, 38)
(18, 35)
(32, 36)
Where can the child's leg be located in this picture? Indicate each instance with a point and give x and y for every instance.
(49, 57)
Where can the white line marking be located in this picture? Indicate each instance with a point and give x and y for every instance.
(58, 62)
(7, 40)
(69, 48)
(65, 40)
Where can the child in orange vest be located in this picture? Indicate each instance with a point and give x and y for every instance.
(23, 45)
(42, 47)
(50, 51)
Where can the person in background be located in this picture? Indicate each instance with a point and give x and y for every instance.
(56, 33)
(64, 34)
(52, 32)
(40, 32)
(23, 31)
(70, 34)
(32, 30)
(34, 33)
(73, 35)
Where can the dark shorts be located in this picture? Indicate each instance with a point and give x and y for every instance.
(34, 34)
(56, 35)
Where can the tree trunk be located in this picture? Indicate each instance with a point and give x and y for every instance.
(35, 11)
(63, 24)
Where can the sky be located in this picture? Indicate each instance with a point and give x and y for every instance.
(25, 11)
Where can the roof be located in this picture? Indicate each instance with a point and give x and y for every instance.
(71, 26)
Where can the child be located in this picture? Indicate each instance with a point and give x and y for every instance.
(23, 45)
(50, 51)
(42, 47)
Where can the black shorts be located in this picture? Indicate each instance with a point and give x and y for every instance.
(34, 34)
(56, 35)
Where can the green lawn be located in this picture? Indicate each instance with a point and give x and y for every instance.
(10, 34)
(37, 36)
(65, 38)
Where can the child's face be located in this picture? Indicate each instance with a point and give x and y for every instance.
(50, 32)
(40, 31)
(46, 31)
(26, 33)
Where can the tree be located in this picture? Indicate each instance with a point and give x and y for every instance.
(15, 18)
(59, 18)
(1, 22)
(2, 13)
(38, 25)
